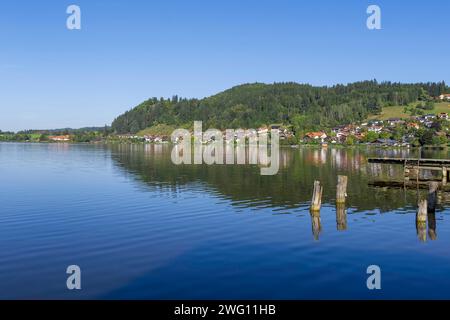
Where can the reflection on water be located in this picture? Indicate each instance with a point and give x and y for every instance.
(316, 224)
(292, 187)
(141, 227)
(341, 217)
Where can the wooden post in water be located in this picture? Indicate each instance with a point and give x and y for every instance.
(422, 211)
(316, 201)
(341, 189)
(421, 220)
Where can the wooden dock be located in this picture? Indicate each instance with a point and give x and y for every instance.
(412, 166)
(412, 161)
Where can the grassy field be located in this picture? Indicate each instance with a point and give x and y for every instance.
(442, 107)
(398, 111)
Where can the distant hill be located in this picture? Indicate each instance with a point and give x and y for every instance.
(301, 105)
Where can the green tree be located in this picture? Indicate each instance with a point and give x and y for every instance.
(350, 141)
(426, 138)
(371, 136)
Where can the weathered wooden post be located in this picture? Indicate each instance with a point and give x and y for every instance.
(422, 211)
(444, 176)
(341, 217)
(341, 189)
(316, 201)
(421, 220)
(316, 204)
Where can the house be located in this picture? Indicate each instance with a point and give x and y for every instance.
(360, 136)
(413, 125)
(276, 128)
(128, 136)
(444, 96)
(338, 129)
(342, 136)
(263, 130)
(395, 121)
(388, 142)
(343, 132)
(376, 129)
(427, 120)
(375, 123)
(316, 136)
(59, 138)
(149, 138)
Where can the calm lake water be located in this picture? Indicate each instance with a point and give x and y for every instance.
(142, 228)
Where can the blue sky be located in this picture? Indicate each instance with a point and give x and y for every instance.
(130, 50)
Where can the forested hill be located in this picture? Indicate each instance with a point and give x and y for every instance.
(254, 105)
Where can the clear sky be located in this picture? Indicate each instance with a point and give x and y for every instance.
(130, 50)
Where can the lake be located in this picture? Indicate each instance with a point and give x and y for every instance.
(141, 227)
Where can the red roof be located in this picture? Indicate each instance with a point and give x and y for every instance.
(315, 134)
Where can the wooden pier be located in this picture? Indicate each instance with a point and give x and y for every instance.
(414, 165)
(412, 161)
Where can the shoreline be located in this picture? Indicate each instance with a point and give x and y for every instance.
(284, 146)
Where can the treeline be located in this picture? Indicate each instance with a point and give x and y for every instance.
(300, 105)
(88, 134)
(67, 131)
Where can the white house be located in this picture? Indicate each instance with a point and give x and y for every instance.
(376, 129)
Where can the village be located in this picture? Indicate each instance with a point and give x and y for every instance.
(428, 129)
(390, 132)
